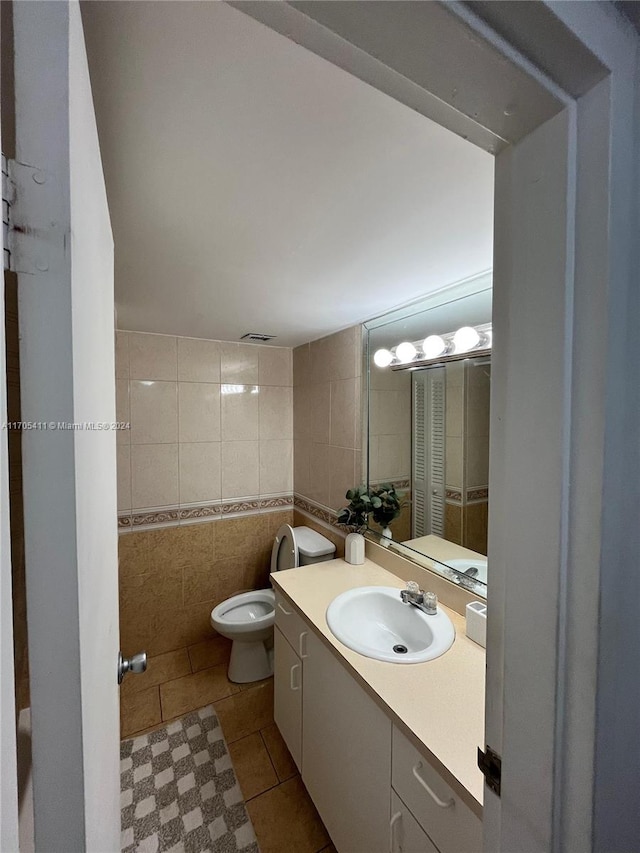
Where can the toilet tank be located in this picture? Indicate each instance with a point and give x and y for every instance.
(313, 547)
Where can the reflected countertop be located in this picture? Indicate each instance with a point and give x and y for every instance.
(441, 549)
(439, 704)
(431, 551)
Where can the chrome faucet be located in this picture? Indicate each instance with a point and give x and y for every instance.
(467, 578)
(425, 601)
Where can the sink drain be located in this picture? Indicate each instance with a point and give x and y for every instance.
(400, 649)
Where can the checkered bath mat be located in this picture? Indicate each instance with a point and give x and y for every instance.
(179, 792)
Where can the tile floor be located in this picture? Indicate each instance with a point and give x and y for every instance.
(283, 816)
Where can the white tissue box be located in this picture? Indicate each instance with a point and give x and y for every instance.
(477, 623)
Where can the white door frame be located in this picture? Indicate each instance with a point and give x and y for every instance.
(563, 533)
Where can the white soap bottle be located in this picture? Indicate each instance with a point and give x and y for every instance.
(354, 549)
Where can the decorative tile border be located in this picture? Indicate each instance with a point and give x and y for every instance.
(184, 515)
(398, 484)
(199, 512)
(322, 513)
(477, 494)
(276, 503)
(168, 516)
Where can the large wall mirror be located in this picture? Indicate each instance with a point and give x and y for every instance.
(429, 383)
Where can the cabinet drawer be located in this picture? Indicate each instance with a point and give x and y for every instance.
(407, 836)
(450, 824)
(293, 627)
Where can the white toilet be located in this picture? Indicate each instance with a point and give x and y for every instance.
(248, 618)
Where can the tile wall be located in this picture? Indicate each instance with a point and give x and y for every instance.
(205, 478)
(467, 454)
(390, 440)
(211, 423)
(476, 511)
(327, 419)
(389, 425)
(214, 427)
(172, 577)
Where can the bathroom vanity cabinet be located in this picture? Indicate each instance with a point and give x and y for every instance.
(375, 791)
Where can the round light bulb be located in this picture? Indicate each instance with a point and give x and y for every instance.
(405, 352)
(466, 338)
(433, 346)
(383, 357)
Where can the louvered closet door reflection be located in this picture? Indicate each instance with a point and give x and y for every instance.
(428, 469)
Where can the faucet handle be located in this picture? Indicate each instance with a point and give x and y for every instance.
(430, 601)
(413, 587)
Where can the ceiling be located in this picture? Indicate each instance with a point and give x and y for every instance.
(256, 187)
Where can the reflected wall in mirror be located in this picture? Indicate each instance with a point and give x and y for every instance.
(428, 435)
(450, 452)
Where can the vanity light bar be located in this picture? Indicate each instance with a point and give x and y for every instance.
(468, 340)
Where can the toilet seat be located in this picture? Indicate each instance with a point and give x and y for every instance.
(245, 613)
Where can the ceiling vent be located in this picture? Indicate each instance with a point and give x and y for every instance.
(257, 336)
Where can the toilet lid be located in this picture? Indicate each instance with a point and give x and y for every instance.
(284, 554)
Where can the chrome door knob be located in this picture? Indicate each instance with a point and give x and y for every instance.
(136, 663)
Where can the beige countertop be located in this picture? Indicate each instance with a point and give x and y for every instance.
(439, 705)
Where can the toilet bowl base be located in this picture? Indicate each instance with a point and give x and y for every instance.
(249, 662)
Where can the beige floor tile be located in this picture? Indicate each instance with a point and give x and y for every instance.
(209, 653)
(284, 818)
(252, 765)
(248, 685)
(280, 756)
(160, 668)
(168, 630)
(139, 710)
(194, 691)
(246, 712)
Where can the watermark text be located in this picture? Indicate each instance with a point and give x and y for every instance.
(54, 426)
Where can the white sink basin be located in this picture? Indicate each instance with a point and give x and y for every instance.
(470, 563)
(374, 621)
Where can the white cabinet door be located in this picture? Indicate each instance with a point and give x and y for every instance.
(287, 707)
(407, 836)
(346, 744)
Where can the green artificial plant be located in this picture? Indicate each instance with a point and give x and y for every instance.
(355, 514)
(385, 504)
